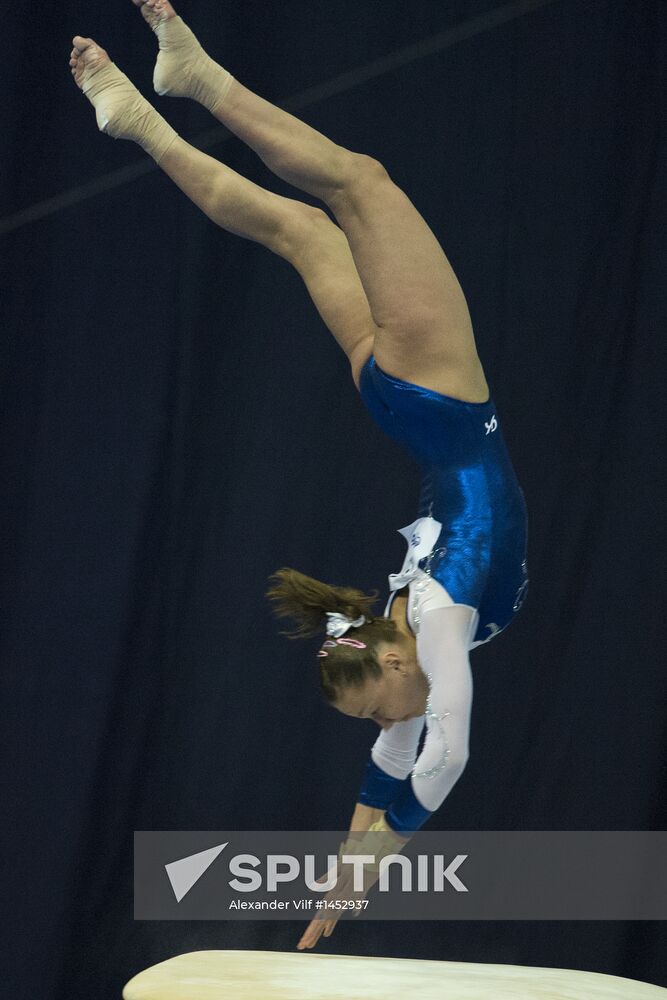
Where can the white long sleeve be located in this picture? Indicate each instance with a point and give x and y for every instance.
(395, 749)
(444, 632)
(443, 645)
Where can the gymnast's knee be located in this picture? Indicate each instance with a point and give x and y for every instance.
(360, 173)
(303, 231)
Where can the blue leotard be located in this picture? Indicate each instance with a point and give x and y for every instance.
(468, 547)
(469, 486)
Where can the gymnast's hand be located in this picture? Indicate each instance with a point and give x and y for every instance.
(343, 895)
(379, 840)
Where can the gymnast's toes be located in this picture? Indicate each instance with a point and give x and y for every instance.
(86, 59)
(154, 12)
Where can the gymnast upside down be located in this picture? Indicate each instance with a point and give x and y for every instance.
(385, 289)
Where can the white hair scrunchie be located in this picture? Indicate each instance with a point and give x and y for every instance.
(337, 625)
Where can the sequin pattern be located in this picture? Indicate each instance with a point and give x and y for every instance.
(523, 589)
(433, 719)
(421, 585)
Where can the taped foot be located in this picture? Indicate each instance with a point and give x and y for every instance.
(121, 111)
(183, 69)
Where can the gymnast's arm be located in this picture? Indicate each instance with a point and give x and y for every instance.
(443, 645)
(394, 793)
(387, 772)
(392, 758)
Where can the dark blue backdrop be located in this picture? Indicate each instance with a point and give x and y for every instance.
(177, 423)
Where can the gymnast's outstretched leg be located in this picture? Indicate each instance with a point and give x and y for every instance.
(421, 318)
(300, 233)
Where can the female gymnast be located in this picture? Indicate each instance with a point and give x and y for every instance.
(386, 291)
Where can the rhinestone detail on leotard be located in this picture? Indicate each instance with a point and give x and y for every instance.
(421, 584)
(433, 719)
(523, 589)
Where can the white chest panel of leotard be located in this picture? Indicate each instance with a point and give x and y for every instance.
(421, 537)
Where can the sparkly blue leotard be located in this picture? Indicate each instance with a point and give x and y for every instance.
(468, 547)
(469, 486)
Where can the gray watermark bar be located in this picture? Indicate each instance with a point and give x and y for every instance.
(449, 875)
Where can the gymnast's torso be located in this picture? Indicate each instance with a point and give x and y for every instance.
(471, 533)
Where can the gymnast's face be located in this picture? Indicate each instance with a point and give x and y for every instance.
(399, 694)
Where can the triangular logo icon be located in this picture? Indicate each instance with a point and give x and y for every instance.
(186, 871)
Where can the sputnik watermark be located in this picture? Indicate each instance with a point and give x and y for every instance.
(252, 873)
(465, 875)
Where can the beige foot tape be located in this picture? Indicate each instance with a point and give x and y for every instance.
(269, 975)
(123, 113)
(183, 69)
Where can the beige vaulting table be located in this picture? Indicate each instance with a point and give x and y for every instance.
(271, 975)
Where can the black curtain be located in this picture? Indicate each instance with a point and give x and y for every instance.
(177, 423)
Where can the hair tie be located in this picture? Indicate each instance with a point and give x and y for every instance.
(337, 624)
(340, 642)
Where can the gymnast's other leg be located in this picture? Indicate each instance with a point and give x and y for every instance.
(423, 328)
(300, 233)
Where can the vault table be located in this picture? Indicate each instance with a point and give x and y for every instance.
(274, 975)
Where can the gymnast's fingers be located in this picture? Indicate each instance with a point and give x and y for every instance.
(312, 934)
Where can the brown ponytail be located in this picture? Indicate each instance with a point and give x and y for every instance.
(306, 601)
